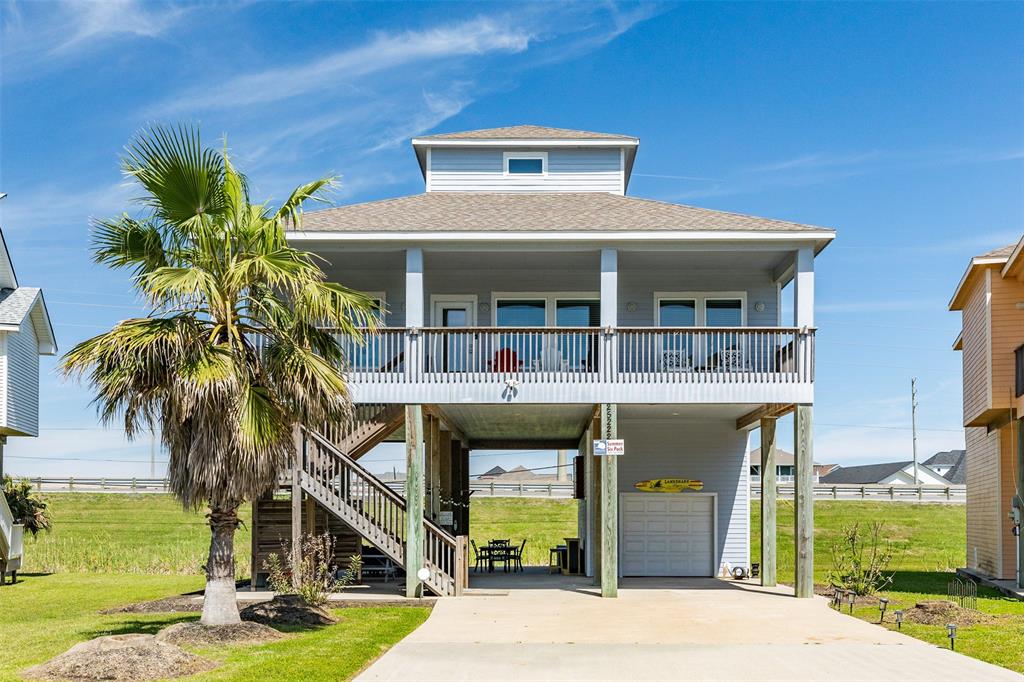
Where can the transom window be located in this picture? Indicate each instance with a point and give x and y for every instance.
(525, 163)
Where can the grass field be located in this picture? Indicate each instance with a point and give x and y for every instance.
(112, 549)
(44, 615)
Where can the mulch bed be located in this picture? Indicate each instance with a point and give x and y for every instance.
(944, 612)
(287, 610)
(120, 657)
(199, 635)
(179, 604)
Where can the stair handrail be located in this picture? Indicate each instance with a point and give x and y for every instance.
(373, 480)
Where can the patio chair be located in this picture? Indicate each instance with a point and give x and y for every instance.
(676, 361)
(517, 556)
(481, 558)
(505, 360)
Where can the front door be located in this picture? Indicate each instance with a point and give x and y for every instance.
(457, 348)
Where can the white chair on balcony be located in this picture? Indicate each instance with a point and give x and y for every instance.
(551, 360)
(676, 361)
(732, 361)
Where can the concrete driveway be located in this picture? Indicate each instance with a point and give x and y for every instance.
(693, 629)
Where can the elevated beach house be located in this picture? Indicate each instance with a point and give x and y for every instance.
(990, 298)
(531, 303)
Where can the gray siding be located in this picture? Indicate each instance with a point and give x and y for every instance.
(22, 386)
(482, 274)
(711, 451)
(569, 170)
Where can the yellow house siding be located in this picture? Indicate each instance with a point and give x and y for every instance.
(1007, 487)
(1007, 324)
(983, 501)
(976, 349)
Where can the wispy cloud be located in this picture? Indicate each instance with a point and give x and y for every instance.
(384, 52)
(885, 305)
(47, 35)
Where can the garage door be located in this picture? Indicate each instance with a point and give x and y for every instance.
(666, 534)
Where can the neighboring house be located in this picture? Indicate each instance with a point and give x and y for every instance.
(518, 474)
(533, 304)
(990, 298)
(785, 467)
(950, 464)
(25, 334)
(885, 473)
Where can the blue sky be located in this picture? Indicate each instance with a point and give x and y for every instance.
(901, 125)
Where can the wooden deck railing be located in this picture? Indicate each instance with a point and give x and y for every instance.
(584, 355)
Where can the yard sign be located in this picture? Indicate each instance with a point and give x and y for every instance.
(610, 446)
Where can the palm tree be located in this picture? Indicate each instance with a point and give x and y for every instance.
(217, 274)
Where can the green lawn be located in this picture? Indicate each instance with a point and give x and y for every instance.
(113, 549)
(543, 523)
(114, 533)
(43, 615)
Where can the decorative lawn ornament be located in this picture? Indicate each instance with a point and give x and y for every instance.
(668, 485)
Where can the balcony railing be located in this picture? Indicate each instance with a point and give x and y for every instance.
(583, 355)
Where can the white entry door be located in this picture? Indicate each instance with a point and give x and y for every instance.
(667, 534)
(457, 349)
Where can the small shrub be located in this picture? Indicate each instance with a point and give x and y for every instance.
(25, 506)
(861, 558)
(315, 576)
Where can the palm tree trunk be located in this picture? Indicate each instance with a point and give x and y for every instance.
(219, 605)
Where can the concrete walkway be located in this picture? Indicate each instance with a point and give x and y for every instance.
(694, 629)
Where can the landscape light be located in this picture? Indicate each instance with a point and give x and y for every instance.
(851, 597)
(882, 604)
(951, 633)
(899, 618)
(837, 599)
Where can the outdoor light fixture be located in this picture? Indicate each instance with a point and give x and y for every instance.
(951, 633)
(899, 618)
(851, 596)
(424, 575)
(882, 604)
(837, 599)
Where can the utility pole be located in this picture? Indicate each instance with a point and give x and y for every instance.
(913, 423)
(562, 473)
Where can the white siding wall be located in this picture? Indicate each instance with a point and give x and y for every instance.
(22, 365)
(711, 451)
(482, 170)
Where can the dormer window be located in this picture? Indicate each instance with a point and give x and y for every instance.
(526, 163)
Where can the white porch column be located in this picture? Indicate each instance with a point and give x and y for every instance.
(609, 287)
(414, 287)
(803, 288)
(610, 309)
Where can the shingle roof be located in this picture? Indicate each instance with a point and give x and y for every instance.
(958, 474)
(946, 458)
(865, 473)
(15, 304)
(542, 212)
(1001, 252)
(527, 132)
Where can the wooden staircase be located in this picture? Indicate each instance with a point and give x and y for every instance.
(374, 511)
(370, 424)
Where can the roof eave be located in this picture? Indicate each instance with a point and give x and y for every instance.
(1015, 263)
(959, 296)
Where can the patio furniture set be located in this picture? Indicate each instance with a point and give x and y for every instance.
(498, 552)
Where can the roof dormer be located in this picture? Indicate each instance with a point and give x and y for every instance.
(526, 159)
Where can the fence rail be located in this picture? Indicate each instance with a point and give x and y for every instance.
(553, 489)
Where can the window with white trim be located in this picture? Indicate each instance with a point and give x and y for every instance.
(525, 163)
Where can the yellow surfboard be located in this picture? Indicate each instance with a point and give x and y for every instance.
(668, 485)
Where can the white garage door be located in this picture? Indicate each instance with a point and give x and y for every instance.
(667, 534)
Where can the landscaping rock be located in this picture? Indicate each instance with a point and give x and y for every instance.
(197, 634)
(941, 612)
(287, 609)
(120, 657)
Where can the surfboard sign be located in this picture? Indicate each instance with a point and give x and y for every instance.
(668, 485)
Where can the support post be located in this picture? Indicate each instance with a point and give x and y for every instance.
(803, 288)
(434, 466)
(465, 491)
(444, 470)
(297, 499)
(610, 309)
(768, 502)
(609, 507)
(414, 287)
(414, 456)
(455, 485)
(804, 501)
(1019, 502)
